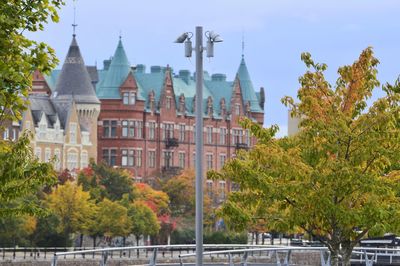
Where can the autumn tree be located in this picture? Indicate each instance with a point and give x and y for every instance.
(72, 206)
(157, 200)
(336, 179)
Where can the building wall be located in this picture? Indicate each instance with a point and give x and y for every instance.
(115, 110)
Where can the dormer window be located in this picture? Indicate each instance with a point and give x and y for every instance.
(129, 98)
(168, 104)
(237, 109)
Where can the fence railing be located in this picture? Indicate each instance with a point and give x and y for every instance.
(149, 253)
(184, 254)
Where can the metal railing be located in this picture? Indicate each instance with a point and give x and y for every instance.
(282, 255)
(184, 254)
(148, 253)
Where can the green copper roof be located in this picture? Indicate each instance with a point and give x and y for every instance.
(247, 88)
(108, 88)
(52, 79)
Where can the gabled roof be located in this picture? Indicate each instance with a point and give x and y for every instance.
(41, 104)
(247, 88)
(74, 80)
(108, 87)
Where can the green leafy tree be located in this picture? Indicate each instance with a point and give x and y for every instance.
(20, 56)
(144, 220)
(112, 220)
(21, 175)
(104, 181)
(336, 178)
(72, 206)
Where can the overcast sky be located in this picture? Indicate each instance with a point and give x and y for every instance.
(275, 34)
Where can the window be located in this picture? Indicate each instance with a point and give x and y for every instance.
(128, 157)
(168, 132)
(42, 131)
(57, 155)
(222, 136)
(209, 161)
(131, 132)
(124, 128)
(209, 135)
(168, 102)
(84, 160)
(139, 126)
(209, 188)
(237, 136)
(181, 132)
(109, 128)
(72, 133)
(85, 138)
(168, 156)
(128, 128)
(6, 134)
(125, 97)
(222, 159)
(38, 153)
(182, 160)
(222, 190)
(132, 98)
(247, 137)
(194, 133)
(152, 130)
(152, 159)
(129, 98)
(139, 158)
(72, 160)
(110, 156)
(237, 109)
(194, 159)
(47, 154)
(14, 134)
(57, 132)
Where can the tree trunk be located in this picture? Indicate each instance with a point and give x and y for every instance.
(346, 254)
(80, 240)
(137, 244)
(94, 241)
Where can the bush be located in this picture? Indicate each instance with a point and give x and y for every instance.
(186, 236)
(222, 237)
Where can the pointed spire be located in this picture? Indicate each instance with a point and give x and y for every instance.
(116, 74)
(246, 86)
(74, 80)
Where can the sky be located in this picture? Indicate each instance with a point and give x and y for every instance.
(275, 33)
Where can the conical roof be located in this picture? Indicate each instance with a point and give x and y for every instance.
(115, 76)
(247, 88)
(74, 80)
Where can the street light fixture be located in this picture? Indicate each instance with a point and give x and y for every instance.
(211, 38)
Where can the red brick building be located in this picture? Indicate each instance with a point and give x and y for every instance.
(146, 123)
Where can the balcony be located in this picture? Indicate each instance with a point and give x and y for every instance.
(170, 171)
(171, 142)
(242, 146)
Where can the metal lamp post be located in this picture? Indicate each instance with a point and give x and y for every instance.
(186, 38)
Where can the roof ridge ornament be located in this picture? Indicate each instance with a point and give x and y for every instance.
(242, 44)
(74, 25)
